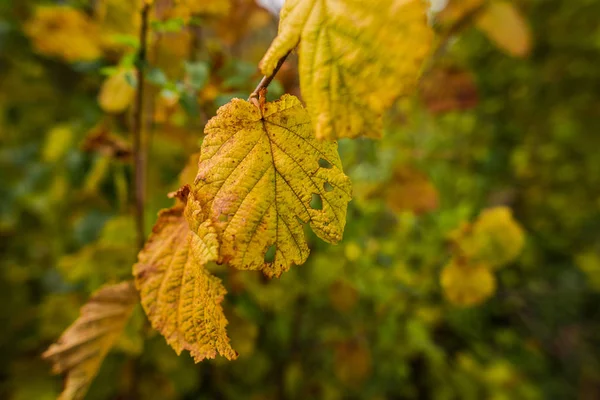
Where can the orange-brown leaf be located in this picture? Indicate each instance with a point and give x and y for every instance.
(181, 298)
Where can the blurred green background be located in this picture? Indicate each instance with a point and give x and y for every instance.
(370, 318)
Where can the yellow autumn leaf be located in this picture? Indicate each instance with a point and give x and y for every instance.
(83, 346)
(64, 32)
(506, 27)
(467, 284)
(356, 58)
(181, 298)
(495, 238)
(261, 176)
(116, 93)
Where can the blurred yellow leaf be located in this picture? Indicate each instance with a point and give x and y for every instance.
(495, 238)
(83, 346)
(456, 10)
(467, 284)
(58, 141)
(262, 175)
(117, 17)
(181, 298)
(116, 93)
(64, 32)
(506, 27)
(356, 58)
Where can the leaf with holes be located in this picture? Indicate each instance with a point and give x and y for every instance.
(81, 349)
(261, 176)
(181, 298)
(356, 58)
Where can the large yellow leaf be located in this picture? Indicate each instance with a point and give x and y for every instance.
(81, 349)
(261, 176)
(505, 26)
(181, 298)
(356, 58)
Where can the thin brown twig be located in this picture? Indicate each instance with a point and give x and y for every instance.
(267, 79)
(139, 149)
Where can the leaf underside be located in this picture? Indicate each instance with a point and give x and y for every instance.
(83, 346)
(356, 58)
(260, 172)
(181, 298)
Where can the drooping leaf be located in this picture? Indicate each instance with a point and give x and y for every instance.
(181, 298)
(356, 58)
(83, 346)
(506, 27)
(261, 176)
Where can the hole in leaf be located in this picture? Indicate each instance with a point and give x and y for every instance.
(316, 203)
(327, 186)
(270, 254)
(323, 163)
(223, 217)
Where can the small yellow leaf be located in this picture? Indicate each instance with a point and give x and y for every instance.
(466, 284)
(261, 176)
(83, 346)
(506, 27)
(181, 298)
(356, 58)
(116, 93)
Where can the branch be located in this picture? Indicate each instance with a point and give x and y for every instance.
(266, 80)
(139, 150)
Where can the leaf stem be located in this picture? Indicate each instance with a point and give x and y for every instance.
(267, 79)
(139, 149)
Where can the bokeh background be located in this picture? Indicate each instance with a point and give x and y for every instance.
(470, 265)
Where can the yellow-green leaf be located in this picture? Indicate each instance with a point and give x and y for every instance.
(83, 346)
(116, 94)
(356, 58)
(261, 176)
(505, 26)
(181, 298)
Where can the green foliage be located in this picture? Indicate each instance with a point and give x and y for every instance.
(364, 319)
